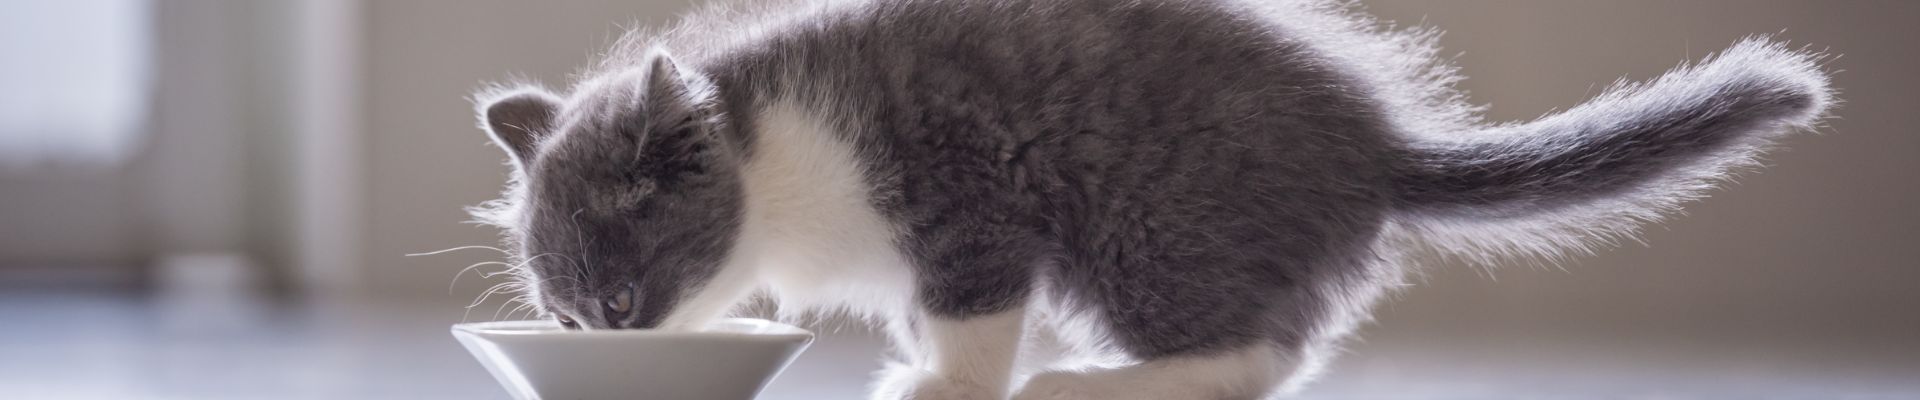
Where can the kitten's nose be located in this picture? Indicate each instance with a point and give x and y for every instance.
(620, 308)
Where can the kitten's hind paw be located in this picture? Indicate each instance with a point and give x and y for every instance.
(1061, 386)
(903, 382)
(1108, 385)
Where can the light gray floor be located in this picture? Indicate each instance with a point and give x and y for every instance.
(104, 345)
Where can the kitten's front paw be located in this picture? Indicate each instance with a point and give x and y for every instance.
(902, 382)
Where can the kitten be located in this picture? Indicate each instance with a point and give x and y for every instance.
(1192, 199)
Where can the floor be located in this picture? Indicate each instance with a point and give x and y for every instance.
(112, 345)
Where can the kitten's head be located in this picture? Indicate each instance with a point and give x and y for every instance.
(627, 200)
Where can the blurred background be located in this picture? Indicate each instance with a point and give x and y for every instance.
(211, 199)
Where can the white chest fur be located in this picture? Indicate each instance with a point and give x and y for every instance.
(819, 244)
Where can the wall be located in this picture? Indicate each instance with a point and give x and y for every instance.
(426, 158)
(63, 219)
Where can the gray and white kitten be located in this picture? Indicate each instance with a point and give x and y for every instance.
(1079, 199)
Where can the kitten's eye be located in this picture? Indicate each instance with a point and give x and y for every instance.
(567, 322)
(623, 301)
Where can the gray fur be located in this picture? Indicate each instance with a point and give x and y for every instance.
(1198, 175)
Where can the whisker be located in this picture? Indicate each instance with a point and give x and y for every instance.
(530, 311)
(525, 282)
(580, 236)
(503, 306)
(463, 271)
(524, 306)
(483, 298)
(575, 280)
(495, 289)
(458, 249)
(521, 298)
(510, 267)
(514, 310)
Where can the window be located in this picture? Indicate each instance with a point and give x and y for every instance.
(74, 80)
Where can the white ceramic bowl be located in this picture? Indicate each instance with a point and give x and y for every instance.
(730, 360)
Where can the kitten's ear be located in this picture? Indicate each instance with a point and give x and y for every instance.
(681, 104)
(669, 82)
(665, 79)
(518, 120)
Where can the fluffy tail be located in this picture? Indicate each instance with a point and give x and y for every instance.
(1601, 169)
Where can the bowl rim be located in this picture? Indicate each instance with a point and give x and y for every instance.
(522, 328)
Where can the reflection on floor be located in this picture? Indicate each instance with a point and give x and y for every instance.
(71, 345)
